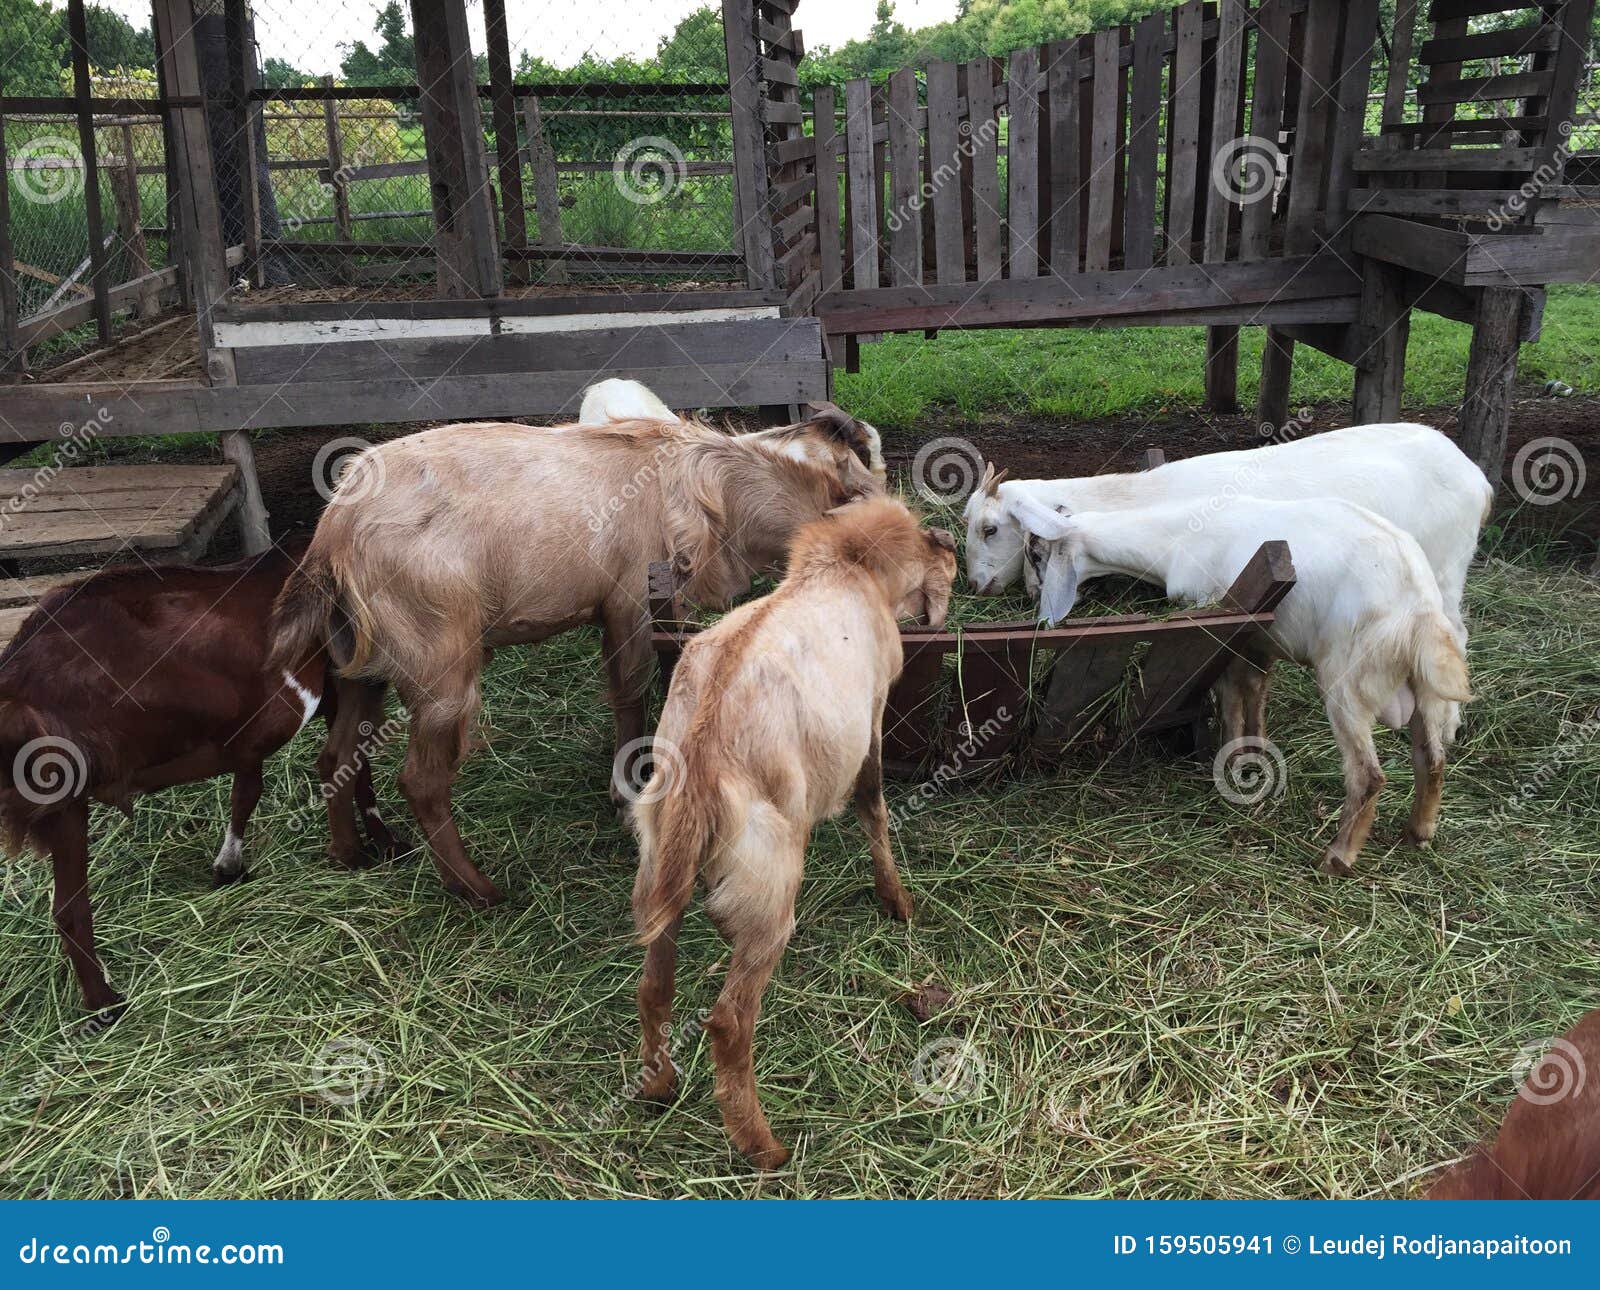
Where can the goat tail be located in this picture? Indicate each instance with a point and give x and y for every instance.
(675, 830)
(309, 618)
(1438, 667)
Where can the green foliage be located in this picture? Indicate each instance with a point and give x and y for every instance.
(33, 44)
(394, 60)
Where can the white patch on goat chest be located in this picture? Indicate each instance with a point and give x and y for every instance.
(308, 701)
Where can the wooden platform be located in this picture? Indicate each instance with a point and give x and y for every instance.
(161, 513)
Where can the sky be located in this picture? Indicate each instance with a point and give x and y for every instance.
(308, 33)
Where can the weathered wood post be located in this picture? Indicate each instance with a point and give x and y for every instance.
(130, 226)
(82, 91)
(508, 158)
(334, 148)
(546, 190)
(466, 240)
(1386, 322)
(13, 358)
(752, 223)
(201, 220)
(1491, 373)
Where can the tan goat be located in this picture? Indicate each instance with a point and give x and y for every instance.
(774, 721)
(445, 543)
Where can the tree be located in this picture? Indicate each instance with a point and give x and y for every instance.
(113, 40)
(280, 75)
(30, 37)
(695, 51)
(395, 59)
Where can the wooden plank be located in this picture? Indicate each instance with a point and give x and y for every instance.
(83, 87)
(508, 157)
(238, 35)
(944, 161)
(1491, 377)
(1508, 42)
(466, 240)
(770, 340)
(905, 171)
(1482, 89)
(1228, 67)
(825, 127)
(1566, 68)
(987, 705)
(1184, 133)
(750, 166)
(1080, 678)
(337, 180)
(1266, 125)
(1433, 201)
(1022, 163)
(11, 621)
(1355, 77)
(189, 407)
(546, 189)
(863, 183)
(24, 593)
(130, 227)
(1308, 166)
(1433, 160)
(1060, 180)
(1446, 9)
(1386, 327)
(985, 126)
(910, 713)
(1143, 140)
(13, 356)
(1104, 123)
(89, 480)
(174, 498)
(1397, 81)
(1119, 293)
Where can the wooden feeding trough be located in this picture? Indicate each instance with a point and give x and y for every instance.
(1016, 686)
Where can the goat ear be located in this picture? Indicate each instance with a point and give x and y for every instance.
(1035, 517)
(836, 423)
(942, 538)
(1058, 585)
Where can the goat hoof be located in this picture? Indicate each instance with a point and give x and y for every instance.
(353, 860)
(384, 849)
(1413, 838)
(107, 1013)
(774, 1155)
(226, 878)
(1335, 865)
(659, 1091)
(486, 898)
(896, 905)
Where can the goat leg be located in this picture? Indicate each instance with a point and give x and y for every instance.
(732, 1027)
(1363, 781)
(659, 1080)
(367, 700)
(228, 867)
(339, 765)
(65, 834)
(1427, 762)
(625, 645)
(431, 759)
(873, 813)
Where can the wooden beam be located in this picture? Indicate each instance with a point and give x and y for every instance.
(338, 179)
(546, 189)
(1386, 323)
(465, 237)
(1491, 374)
(504, 107)
(83, 87)
(751, 231)
(13, 356)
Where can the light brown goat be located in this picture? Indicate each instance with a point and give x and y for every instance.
(445, 543)
(774, 720)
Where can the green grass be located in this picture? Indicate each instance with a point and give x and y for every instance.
(1165, 999)
(1087, 373)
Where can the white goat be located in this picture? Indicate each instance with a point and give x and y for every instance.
(1365, 614)
(617, 399)
(1410, 475)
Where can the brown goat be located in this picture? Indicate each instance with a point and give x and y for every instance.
(138, 679)
(1548, 1148)
(473, 536)
(773, 721)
